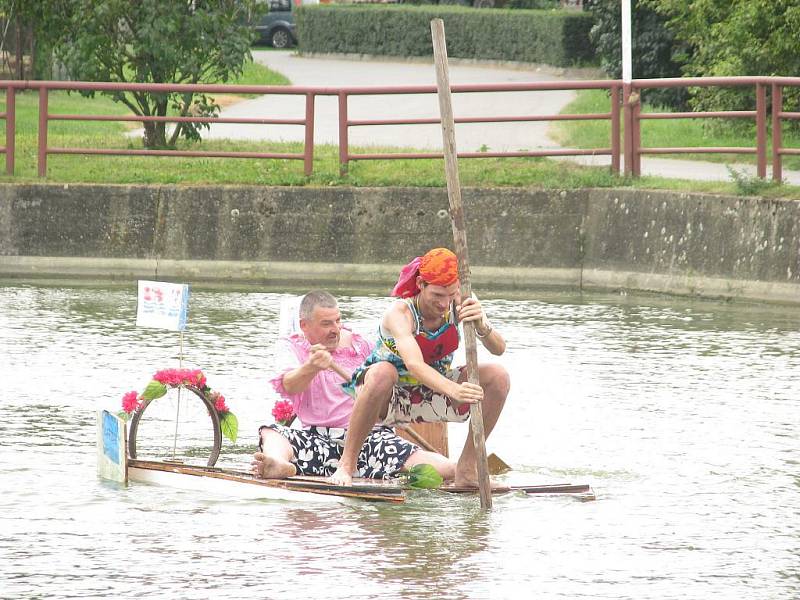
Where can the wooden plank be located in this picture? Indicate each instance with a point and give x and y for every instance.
(359, 491)
(431, 436)
(558, 488)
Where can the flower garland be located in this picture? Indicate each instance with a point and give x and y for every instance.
(177, 378)
(283, 411)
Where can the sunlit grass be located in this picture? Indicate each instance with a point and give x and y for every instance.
(670, 133)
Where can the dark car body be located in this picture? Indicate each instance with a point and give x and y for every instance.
(277, 27)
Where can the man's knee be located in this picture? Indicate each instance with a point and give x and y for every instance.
(381, 376)
(495, 377)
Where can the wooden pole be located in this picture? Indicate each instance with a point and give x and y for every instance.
(460, 239)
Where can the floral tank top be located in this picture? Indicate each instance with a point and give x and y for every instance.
(437, 348)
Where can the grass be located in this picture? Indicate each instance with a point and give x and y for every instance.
(486, 172)
(666, 133)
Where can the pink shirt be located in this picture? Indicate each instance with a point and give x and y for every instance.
(324, 403)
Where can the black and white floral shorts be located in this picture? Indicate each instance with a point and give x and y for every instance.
(317, 450)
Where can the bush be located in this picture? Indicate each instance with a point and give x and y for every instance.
(655, 51)
(558, 38)
(533, 4)
(736, 37)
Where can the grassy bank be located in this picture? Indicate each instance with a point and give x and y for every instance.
(667, 133)
(487, 172)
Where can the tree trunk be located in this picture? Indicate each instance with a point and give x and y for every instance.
(155, 135)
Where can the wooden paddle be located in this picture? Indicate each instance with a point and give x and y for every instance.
(460, 239)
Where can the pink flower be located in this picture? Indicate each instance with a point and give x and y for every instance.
(220, 405)
(283, 411)
(130, 402)
(178, 377)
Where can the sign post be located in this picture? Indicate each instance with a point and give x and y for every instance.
(164, 305)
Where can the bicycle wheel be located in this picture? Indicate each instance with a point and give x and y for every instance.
(154, 435)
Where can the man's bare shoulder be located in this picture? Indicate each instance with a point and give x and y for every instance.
(399, 319)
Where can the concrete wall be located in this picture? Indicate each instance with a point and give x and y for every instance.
(356, 237)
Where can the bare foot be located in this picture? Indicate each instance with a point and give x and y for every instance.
(269, 467)
(341, 477)
(470, 480)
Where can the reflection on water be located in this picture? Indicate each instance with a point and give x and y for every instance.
(682, 415)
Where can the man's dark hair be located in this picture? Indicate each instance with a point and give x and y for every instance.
(314, 299)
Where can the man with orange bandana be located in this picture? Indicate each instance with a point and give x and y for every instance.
(409, 375)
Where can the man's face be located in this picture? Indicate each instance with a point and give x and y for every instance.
(437, 298)
(323, 327)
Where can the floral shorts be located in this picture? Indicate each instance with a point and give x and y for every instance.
(419, 403)
(317, 450)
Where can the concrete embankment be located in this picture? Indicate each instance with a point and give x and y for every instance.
(353, 238)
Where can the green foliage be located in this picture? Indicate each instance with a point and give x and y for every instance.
(424, 477)
(230, 426)
(533, 4)
(749, 185)
(558, 38)
(655, 52)
(155, 41)
(154, 390)
(735, 37)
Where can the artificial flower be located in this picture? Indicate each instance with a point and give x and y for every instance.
(283, 411)
(130, 402)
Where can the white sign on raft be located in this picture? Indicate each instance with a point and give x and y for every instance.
(162, 305)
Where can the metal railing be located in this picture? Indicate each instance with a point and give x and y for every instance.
(613, 150)
(623, 98)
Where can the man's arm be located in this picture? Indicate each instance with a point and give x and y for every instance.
(399, 324)
(297, 380)
(471, 310)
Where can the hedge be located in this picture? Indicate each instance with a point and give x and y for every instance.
(558, 38)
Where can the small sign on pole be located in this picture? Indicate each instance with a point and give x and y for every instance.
(162, 305)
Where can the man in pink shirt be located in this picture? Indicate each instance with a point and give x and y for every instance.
(315, 390)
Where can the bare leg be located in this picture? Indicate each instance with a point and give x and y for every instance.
(275, 461)
(443, 465)
(372, 402)
(495, 382)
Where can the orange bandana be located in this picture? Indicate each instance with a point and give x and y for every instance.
(439, 267)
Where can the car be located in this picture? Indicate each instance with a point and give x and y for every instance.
(277, 27)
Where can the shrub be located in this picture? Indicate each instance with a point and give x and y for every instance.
(558, 38)
(736, 37)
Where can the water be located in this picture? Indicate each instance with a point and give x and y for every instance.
(681, 414)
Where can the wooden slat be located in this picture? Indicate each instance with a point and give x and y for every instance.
(560, 488)
(435, 434)
(363, 491)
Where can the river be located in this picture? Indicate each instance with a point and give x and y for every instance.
(682, 414)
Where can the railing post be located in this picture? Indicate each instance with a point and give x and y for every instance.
(635, 99)
(11, 127)
(42, 158)
(308, 150)
(777, 109)
(615, 129)
(630, 100)
(761, 130)
(344, 146)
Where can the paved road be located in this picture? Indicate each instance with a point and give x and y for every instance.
(338, 72)
(470, 137)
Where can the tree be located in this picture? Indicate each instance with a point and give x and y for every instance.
(735, 37)
(655, 51)
(154, 41)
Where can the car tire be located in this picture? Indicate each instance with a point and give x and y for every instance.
(280, 38)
